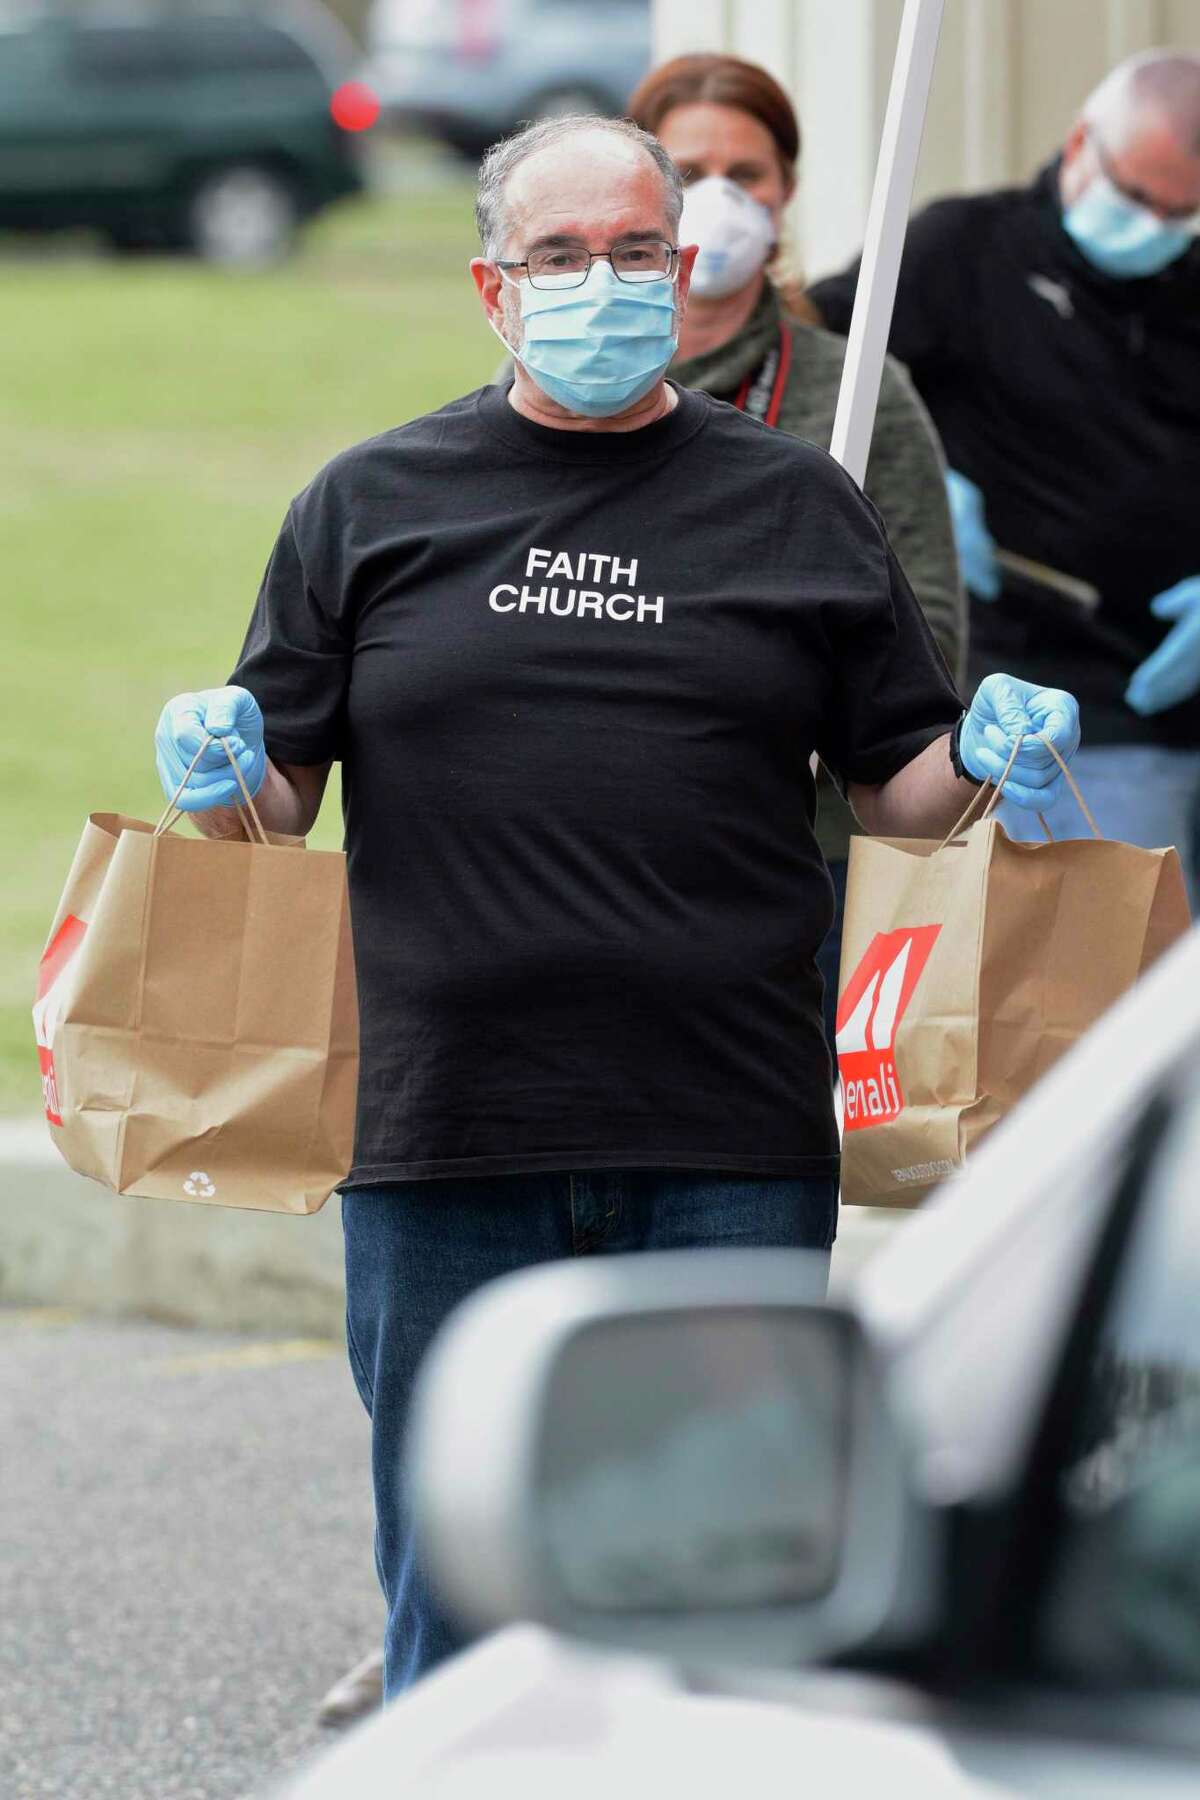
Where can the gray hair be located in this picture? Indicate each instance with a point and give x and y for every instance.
(500, 161)
(1165, 83)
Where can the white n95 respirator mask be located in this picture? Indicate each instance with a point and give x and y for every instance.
(735, 232)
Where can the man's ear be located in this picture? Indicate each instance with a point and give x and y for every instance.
(1072, 175)
(687, 257)
(489, 284)
(1076, 139)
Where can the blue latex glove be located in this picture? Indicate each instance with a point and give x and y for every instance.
(972, 539)
(1005, 709)
(229, 713)
(1172, 672)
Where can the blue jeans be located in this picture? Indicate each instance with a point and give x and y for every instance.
(415, 1250)
(1139, 793)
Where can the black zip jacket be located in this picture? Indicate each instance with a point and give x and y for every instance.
(1073, 401)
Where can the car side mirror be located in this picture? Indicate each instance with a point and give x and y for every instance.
(687, 1454)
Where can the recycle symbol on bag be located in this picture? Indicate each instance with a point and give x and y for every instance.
(199, 1186)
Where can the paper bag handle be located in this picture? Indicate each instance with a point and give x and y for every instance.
(1071, 782)
(992, 803)
(998, 792)
(172, 813)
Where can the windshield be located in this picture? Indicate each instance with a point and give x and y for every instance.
(1124, 1602)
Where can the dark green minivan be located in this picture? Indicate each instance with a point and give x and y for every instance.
(215, 131)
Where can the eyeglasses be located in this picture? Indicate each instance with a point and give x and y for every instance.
(1172, 215)
(568, 265)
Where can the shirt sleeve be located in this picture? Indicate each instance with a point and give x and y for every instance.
(931, 320)
(890, 692)
(296, 658)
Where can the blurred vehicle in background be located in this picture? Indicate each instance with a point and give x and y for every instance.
(940, 1540)
(469, 71)
(213, 131)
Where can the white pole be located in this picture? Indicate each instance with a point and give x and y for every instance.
(887, 221)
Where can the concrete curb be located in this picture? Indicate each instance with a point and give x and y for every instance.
(67, 1241)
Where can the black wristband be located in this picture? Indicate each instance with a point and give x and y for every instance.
(956, 761)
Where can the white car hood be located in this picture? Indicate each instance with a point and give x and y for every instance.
(525, 1713)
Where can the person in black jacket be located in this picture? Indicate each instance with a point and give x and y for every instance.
(1053, 332)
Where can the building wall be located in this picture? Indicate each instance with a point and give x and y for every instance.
(1010, 77)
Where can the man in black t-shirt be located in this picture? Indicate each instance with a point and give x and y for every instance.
(575, 644)
(1053, 331)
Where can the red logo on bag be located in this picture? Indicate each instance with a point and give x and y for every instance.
(59, 952)
(872, 1005)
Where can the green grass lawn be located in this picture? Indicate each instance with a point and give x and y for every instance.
(155, 419)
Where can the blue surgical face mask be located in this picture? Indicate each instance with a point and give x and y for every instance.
(600, 347)
(1118, 236)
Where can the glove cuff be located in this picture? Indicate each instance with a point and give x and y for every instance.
(956, 761)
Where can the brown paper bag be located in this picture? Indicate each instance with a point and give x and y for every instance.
(196, 1018)
(968, 968)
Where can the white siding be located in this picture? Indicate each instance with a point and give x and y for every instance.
(1011, 75)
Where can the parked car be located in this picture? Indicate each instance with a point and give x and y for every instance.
(217, 131)
(939, 1539)
(469, 71)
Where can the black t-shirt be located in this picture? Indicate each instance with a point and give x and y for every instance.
(575, 680)
(1073, 400)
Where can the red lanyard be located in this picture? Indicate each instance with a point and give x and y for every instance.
(761, 394)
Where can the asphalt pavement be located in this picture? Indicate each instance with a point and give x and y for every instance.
(185, 1550)
(185, 1556)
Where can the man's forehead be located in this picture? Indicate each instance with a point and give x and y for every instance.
(586, 184)
(1151, 161)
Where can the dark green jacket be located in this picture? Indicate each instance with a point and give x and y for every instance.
(904, 479)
